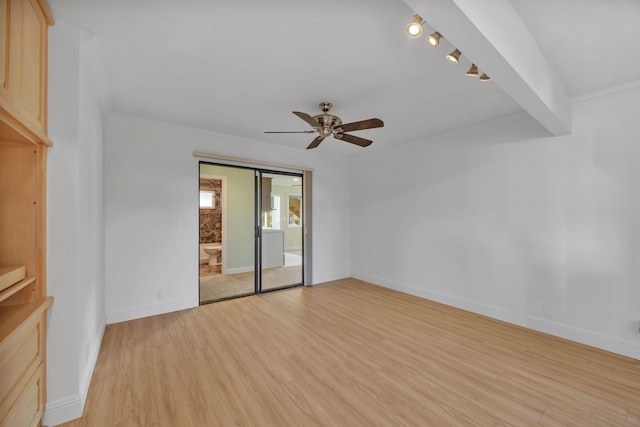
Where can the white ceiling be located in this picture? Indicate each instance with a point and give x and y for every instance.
(242, 67)
(283, 180)
(592, 44)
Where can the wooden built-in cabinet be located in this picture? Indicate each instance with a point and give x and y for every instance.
(23, 69)
(23, 157)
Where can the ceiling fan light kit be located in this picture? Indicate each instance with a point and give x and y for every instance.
(434, 40)
(326, 124)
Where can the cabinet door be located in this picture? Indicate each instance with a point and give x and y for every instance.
(4, 50)
(27, 58)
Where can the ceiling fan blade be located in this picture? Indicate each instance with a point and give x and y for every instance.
(315, 142)
(353, 139)
(288, 131)
(361, 125)
(307, 118)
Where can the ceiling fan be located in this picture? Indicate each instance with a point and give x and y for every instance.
(326, 124)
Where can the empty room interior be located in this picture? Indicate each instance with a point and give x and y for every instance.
(335, 213)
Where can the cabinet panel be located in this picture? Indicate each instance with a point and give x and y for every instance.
(23, 329)
(27, 60)
(18, 206)
(29, 406)
(4, 46)
(17, 357)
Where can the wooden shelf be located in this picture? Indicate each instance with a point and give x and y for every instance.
(9, 276)
(12, 317)
(18, 130)
(12, 290)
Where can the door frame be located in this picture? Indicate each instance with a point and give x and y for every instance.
(260, 168)
(307, 194)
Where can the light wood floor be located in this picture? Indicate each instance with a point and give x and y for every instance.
(348, 353)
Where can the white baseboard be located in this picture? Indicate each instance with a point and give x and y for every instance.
(63, 410)
(330, 277)
(149, 310)
(71, 407)
(85, 381)
(572, 333)
(238, 270)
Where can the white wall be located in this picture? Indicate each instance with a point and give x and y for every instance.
(538, 231)
(75, 219)
(151, 214)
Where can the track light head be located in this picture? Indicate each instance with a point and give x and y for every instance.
(434, 39)
(484, 78)
(414, 28)
(473, 71)
(454, 56)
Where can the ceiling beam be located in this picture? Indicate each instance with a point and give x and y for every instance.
(491, 34)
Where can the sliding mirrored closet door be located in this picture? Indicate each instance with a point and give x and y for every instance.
(227, 232)
(250, 231)
(281, 224)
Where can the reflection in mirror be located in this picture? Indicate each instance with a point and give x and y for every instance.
(295, 211)
(227, 232)
(271, 218)
(281, 240)
(207, 199)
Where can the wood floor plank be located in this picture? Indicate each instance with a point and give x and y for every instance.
(348, 353)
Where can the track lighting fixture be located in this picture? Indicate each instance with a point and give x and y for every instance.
(434, 39)
(414, 28)
(473, 71)
(454, 56)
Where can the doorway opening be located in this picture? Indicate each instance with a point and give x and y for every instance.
(250, 231)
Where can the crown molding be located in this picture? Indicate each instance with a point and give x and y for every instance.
(605, 94)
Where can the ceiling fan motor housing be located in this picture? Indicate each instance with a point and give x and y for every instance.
(328, 123)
